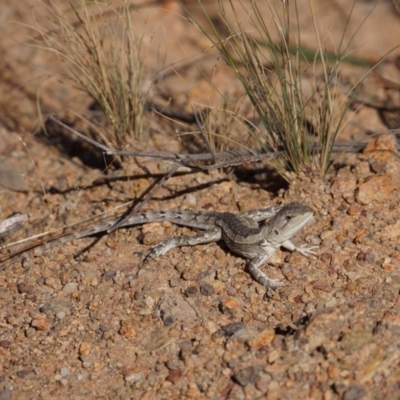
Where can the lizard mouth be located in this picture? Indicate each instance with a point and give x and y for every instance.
(308, 219)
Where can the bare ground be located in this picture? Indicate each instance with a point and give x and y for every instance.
(193, 324)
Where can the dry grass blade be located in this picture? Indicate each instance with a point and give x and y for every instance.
(102, 56)
(268, 59)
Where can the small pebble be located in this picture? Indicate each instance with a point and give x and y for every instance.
(60, 315)
(207, 290)
(231, 329)
(191, 291)
(190, 199)
(5, 394)
(70, 287)
(247, 375)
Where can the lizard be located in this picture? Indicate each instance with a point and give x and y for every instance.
(241, 233)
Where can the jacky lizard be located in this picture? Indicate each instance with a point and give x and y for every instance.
(241, 233)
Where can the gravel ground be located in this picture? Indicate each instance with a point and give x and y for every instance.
(193, 324)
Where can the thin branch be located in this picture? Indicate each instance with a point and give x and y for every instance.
(234, 157)
(12, 224)
(184, 160)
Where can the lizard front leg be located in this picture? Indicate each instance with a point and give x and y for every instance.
(209, 236)
(259, 260)
(305, 251)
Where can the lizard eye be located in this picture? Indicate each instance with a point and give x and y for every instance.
(288, 217)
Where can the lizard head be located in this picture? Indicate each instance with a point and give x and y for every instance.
(287, 222)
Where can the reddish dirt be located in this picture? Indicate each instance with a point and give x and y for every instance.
(193, 324)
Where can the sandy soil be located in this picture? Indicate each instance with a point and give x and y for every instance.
(193, 324)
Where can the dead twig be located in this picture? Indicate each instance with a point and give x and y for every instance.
(12, 224)
(184, 160)
(232, 157)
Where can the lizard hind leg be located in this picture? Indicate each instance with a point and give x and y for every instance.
(259, 276)
(209, 236)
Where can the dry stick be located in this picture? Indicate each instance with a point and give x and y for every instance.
(184, 160)
(59, 232)
(12, 224)
(48, 236)
(235, 157)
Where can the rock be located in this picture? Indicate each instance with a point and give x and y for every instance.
(376, 188)
(344, 185)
